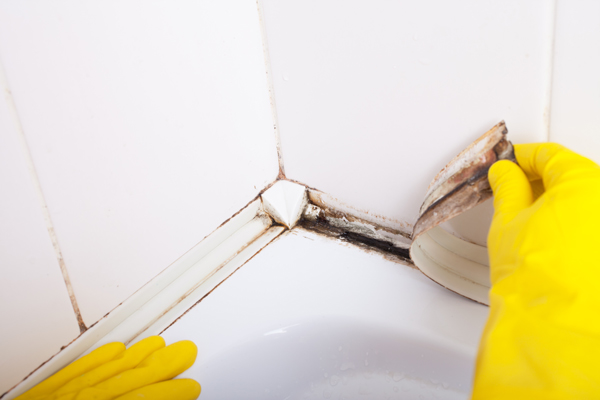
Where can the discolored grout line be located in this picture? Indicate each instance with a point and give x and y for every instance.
(40, 195)
(271, 89)
(549, 70)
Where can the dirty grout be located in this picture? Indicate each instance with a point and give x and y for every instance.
(40, 195)
(270, 88)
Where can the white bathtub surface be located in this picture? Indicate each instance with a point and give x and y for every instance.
(310, 317)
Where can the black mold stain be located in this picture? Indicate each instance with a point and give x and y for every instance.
(388, 247)
(321, 226)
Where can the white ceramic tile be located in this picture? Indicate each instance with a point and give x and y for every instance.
(149, 124)
(374, 99)
(308, 310)
(575, 119)
(35, 310)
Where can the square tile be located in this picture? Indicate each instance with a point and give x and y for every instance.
(149, 125)
(373, 100)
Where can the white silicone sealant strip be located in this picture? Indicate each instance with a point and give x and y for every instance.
(200, 278)
(212, 282)
(164, 292)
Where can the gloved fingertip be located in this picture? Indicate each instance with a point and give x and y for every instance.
(499, 172)
(512, 191)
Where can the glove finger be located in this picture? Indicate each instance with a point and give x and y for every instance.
(180, 389)
(127, 360)
(173, 359)
(161, 365)
(512, 191)
(553, 163)
(86, 363)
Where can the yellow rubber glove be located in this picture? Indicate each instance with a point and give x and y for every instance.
(111, 372)
(542, 338)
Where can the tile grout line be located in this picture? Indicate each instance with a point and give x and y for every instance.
(40, 195)
(271, 88)
(550, 54)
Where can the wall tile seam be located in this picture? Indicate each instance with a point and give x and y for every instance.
(270, 87)
(550, 61)
(35, 182)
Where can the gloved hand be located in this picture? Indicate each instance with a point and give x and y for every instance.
(542, 338)
(111, 372)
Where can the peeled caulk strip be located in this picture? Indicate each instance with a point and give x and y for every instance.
(460, 186)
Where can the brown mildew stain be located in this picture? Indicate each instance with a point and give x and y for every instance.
(63, 269)
(271, 89)
(12, 108)
(96, 323)
(281, 174)
(219, 284)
